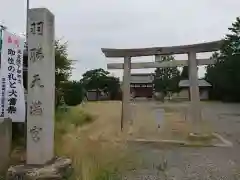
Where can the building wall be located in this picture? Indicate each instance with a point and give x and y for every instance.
(184, 94)
(92, 95)
(142, 90)
(204, 94)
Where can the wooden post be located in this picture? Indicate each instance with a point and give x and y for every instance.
(41, 86)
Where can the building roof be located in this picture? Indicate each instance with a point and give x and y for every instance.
(201, 83)
(142, 74)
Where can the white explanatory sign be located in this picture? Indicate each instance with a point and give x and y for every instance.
(159, 116)
(11, 78)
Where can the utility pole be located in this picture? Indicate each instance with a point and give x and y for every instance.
(27, 10)
(25, 124)
(2, 27)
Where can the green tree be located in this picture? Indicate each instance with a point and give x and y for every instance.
(73, 92)
(63, 68)
(113, 86)
(166, 79)
(224, 75)
(63, 65)
(100, 80)
(93, 79)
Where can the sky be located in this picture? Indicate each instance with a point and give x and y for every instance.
(89, 25)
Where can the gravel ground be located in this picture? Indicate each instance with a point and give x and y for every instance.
(196, 163)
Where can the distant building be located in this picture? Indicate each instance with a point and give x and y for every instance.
(141, 85)
(94, 95)
(185, 91)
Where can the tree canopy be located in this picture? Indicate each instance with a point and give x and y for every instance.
(63, 68)
(101, 80)
(63, 65)
(95, 79)
(73, 92)
(166, 79)
(224, 75)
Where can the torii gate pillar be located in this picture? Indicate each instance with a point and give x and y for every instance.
(126, 91)
(195, 109)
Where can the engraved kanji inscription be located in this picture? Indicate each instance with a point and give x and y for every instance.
(36, 28)
(36, 108)
(36, 81)
(35, 133)
(36, 54)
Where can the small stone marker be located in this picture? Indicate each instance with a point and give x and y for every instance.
(159, 117)
(63, 105)
(41, 86)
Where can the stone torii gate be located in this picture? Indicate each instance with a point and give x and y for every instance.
(192, 63)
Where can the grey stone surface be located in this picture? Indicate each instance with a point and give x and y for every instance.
(59, 168)
(188, 163)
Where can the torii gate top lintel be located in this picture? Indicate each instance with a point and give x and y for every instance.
(201, 47)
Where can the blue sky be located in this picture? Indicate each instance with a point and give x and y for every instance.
(89, 25)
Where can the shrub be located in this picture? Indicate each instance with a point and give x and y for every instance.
(74, 116)
(73, 92)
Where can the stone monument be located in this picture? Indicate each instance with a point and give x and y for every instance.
(41, 163)
(41, 87)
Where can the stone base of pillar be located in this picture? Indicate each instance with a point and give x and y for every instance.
(201, 136)
(59, 168)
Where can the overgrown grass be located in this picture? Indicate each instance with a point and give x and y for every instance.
(73, 117)
(96, 160)
(93, 159)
